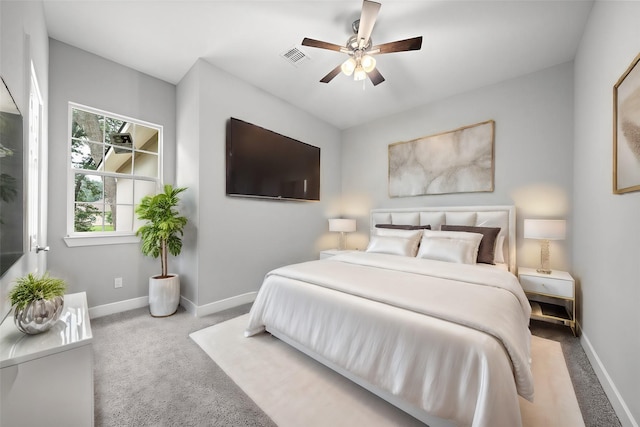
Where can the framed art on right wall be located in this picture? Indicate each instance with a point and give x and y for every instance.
(626, 130)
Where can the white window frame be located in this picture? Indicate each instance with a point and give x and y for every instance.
(75, 239)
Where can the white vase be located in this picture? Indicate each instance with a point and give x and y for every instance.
(164, 295)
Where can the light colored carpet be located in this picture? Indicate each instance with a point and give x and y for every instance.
(293, 389)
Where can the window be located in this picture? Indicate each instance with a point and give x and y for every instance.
(34, 204)
(114, 161)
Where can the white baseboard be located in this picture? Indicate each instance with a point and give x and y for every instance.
(199, 311)
(188, 305)
(218, 306)
(618, 403)
(117, 307)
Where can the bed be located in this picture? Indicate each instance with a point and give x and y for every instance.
(412, 319)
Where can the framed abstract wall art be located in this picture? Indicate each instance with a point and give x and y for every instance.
(457, 161)
(626, 130)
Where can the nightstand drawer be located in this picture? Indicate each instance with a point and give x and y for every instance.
(547, 285)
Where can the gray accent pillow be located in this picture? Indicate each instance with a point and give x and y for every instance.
(487, 249)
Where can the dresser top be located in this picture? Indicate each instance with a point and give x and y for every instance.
(73, 329)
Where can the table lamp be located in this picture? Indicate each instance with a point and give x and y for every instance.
(343, 226)
(545, 230)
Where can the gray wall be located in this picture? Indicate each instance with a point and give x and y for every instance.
(234, 241)
(606, 257)
(23, 39)
(79, 76)
(533, 154)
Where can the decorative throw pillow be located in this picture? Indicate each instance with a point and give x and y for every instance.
(392, 245)
(450, 246)
(404, 227)
(487, 249)
(413, 237)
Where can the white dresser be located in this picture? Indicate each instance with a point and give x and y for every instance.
(47, 379)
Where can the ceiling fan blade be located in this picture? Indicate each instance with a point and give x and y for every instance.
(368, 18)
(320, 44)
(332, 74)
(375, 77)
(397, 46)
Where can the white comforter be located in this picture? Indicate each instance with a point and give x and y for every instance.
(450, 339)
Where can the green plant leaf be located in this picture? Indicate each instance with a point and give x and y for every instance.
(32, 288)
(164, 225)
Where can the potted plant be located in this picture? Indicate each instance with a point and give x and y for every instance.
(161, 235)
(37, 302)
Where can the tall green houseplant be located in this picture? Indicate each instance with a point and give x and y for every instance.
(162, 233)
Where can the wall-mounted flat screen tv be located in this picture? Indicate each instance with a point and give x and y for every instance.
(263, 163)
(12, 233)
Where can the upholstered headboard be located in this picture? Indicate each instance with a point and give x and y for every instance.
(479, 216)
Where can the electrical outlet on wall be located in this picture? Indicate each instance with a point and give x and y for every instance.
(117, 282)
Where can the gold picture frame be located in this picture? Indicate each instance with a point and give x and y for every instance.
(626, 130)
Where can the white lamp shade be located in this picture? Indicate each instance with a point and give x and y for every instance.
(342, 225)
(545, 229)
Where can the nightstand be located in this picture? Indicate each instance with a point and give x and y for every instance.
(552, 296)
(328, 253)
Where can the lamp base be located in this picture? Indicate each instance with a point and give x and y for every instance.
(342, 244)
(544, 257)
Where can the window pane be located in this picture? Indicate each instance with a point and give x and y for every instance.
(88, 188)
(87, 126)
(144, 188)
(124, 191)
(146, 164)
(145, 138)
(86, 217)
(85, 155)
(112, 126)
(99, 223)
(109, 190)
(118, 160)
(108, 219)
(124, 218)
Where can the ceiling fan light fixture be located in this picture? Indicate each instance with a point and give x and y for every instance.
(359, 73)
(348, 66)
(368, 63)
(361, 49)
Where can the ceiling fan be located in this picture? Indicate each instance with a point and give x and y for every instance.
(361, 62)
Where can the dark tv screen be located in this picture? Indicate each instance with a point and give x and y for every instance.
(263, 163)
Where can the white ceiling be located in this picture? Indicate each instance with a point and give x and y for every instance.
(466, 45)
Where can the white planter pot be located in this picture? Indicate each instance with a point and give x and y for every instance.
(164, 295)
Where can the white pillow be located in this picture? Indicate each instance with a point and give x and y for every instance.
(393, 245)
(406, 246)
(499, 254)
(451, 246)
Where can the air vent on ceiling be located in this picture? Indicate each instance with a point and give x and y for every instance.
(295, 56)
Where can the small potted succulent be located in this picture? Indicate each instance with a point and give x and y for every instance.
(37, 302)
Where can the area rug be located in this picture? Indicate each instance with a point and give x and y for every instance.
(294, 390)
